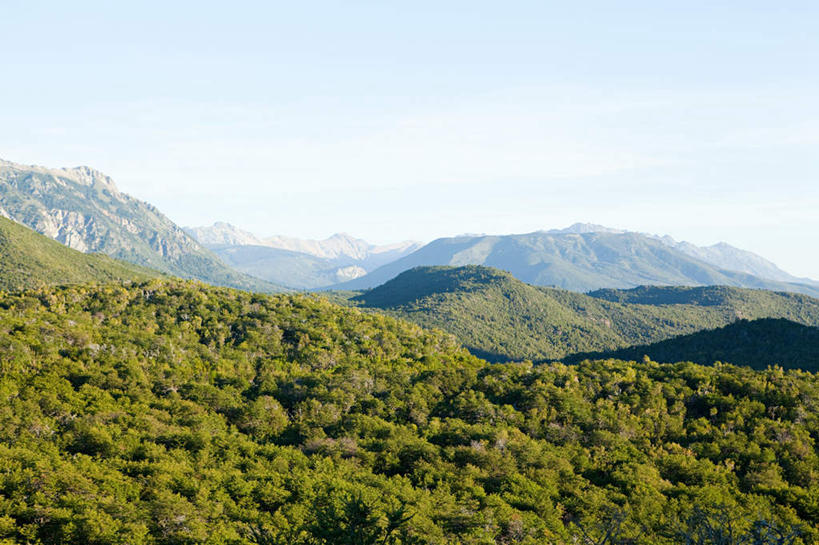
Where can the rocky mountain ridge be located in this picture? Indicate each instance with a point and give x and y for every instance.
(721, 254)
(83, 209)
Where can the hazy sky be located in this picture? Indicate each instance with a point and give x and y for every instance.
(397, 120)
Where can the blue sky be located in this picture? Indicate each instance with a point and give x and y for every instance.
(415, 120)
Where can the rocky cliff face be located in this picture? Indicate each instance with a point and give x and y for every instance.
(83, 209)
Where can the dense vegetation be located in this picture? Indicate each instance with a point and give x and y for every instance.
(501, 318)
(756, 343)
(743, 300)
(28, 259)
(178, 413)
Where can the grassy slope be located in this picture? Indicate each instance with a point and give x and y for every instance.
(501, 318)
(29, 259)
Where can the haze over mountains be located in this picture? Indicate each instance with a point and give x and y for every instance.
(578, 261)
(582, 257)
(299, 263)
(721, 254)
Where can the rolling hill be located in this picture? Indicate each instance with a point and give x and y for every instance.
(501, 318)
(29, 259)
(83, 209)
(577, 261)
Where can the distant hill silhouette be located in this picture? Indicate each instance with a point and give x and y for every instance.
(755, 343)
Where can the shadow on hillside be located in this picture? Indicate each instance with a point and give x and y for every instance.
(755, 343)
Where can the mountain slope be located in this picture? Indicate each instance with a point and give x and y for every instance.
(168, 413)
(83, 209)
(501, 318)
(725, 256)
(29, 259)
(720, 255)
(575, 261)
(755, 343)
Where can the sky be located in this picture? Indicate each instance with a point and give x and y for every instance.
(415, 120)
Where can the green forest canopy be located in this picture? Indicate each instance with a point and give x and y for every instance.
(172, 412)
(756, 343)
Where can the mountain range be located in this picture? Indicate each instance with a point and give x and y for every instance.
(83, 209)
(299, 263)
(139, 408)
(582, 257)
(585, 258)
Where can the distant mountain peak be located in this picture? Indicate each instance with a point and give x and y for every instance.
(341, 246)
(583, 228)
(82, 175)
(343, 236)
(222, 233)
(338, 245)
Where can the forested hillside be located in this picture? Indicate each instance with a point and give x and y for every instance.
(169, 412)
(29, 259)
(501, 318)
(757, 343)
